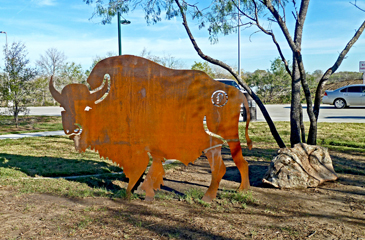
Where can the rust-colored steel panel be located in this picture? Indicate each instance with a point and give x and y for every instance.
(153, 109)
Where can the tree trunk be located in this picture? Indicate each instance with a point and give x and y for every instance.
(43, 97)
(302, 128)
(16, 113)
(295, 136)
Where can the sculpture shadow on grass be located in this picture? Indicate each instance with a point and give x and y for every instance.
(96, 174)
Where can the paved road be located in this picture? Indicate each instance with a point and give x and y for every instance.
(279, 112)
(34, 134)
(327, 113)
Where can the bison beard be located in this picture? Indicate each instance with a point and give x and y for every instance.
(156, 110)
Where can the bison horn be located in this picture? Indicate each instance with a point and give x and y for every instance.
(55, 94)
(98, 94)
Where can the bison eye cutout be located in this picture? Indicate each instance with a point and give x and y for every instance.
(87, 108)
(219, 98)
(78, 129)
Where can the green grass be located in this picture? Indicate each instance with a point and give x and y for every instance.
(51, 157)
(346, 137)
(30, 124)
(194, 195)
(237, 197)
(23, 159)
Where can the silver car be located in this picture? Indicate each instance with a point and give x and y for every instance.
(345, 96)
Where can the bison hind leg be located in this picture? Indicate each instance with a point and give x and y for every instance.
(154, 178)
(218, 170)
(241, 164)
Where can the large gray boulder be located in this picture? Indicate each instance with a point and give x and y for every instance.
(300, 167)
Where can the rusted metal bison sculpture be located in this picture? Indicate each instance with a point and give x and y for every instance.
(153, 109)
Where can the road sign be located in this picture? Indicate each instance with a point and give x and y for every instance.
(362, 66)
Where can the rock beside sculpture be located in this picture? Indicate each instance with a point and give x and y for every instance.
(300, 167)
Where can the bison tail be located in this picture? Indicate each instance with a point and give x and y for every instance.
(249, 142)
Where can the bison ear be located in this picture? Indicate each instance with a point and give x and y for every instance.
(55, 94)
(98, 94)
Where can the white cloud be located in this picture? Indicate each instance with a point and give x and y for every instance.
(45, 2)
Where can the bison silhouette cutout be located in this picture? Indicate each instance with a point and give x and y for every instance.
(152, 109)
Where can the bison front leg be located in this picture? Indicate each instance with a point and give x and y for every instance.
(154, 178)
(241, 164)
(218, 170)
(134, 169)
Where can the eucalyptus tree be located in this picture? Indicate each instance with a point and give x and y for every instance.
(223, 17)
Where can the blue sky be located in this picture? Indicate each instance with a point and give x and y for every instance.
(65, 25)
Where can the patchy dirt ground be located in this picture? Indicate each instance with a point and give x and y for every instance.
(333, 211)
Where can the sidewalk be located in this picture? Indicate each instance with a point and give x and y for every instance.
(34, 134)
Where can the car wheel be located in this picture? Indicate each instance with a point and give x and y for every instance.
(340, 103)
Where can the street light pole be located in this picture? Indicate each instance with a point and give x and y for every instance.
(6, 35)
(239, 41)
(124, 22)
(119, 36)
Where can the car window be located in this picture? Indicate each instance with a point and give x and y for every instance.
(363, 89)
(227, 82)
(355, 89)
(236, 85)
(343, 90)
(231, 83)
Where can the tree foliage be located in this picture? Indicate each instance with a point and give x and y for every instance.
(203, 66)
(273, 86)
(72, 73)
(16, 84)
(344, 76)
(212, 70)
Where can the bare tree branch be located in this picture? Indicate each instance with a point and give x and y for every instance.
(269, 121)
(268, 32)
(281, 23)
(355, 4)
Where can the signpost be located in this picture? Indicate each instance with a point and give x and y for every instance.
(362, 69)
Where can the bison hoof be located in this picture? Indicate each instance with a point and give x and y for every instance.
(207, 199)
(148, 199)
